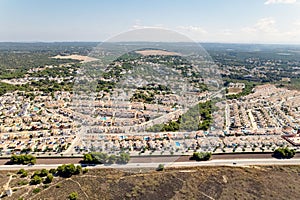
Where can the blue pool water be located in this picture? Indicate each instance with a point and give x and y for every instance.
(177, 144)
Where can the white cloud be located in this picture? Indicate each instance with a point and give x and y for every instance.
(264, 25)
(226, 32)
(296, 23)
(138, 25)
(195, 29)
(268, 2)
(266, 30)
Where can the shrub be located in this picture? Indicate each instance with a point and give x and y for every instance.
(284, 153)
(103, 158)
(22, 183)
(22, 159)
(48, 179)
(68, 170)
(160, 167)
(112, 159)
(52, 171)
(36, 173)
(73, 196)
(36, 180)
(21, 171)
(123, 158)
(24, 174)
(44, 173)
(201, 156)
(78, 169)
(36, 190)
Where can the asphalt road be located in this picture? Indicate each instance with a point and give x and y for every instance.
(224, 162)
(157, 159)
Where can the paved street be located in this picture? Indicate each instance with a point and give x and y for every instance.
(224, 162)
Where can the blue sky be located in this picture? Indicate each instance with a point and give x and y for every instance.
(246, 21)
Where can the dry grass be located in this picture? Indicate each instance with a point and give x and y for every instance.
(276, 182)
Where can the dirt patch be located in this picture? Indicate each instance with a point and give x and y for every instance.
(76, 57)
(157, 53)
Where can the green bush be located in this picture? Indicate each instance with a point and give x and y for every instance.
(44, 173)
(48, 179)
(112, 159)
(123, 158)
(22, 182)
(22, 159)
(52, 171)
(103, 158)
(73, 196)
(84, 171)
(36, 173)
(68, 170)
(24, 174)
(21, 171)
(36, 190)
(284, 153)
(201, 156)
(160, 167)
(78, 169)
(36, 180)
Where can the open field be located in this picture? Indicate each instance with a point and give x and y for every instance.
(267, 182)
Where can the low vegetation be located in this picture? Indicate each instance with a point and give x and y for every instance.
(160, 167)
(284, 153)
(68, 170)
(103, 158)
(198, 117)
(201, 156)
(22, 159)
(174, 183)
(73, 196)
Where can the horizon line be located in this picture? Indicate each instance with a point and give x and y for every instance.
(201, 42)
